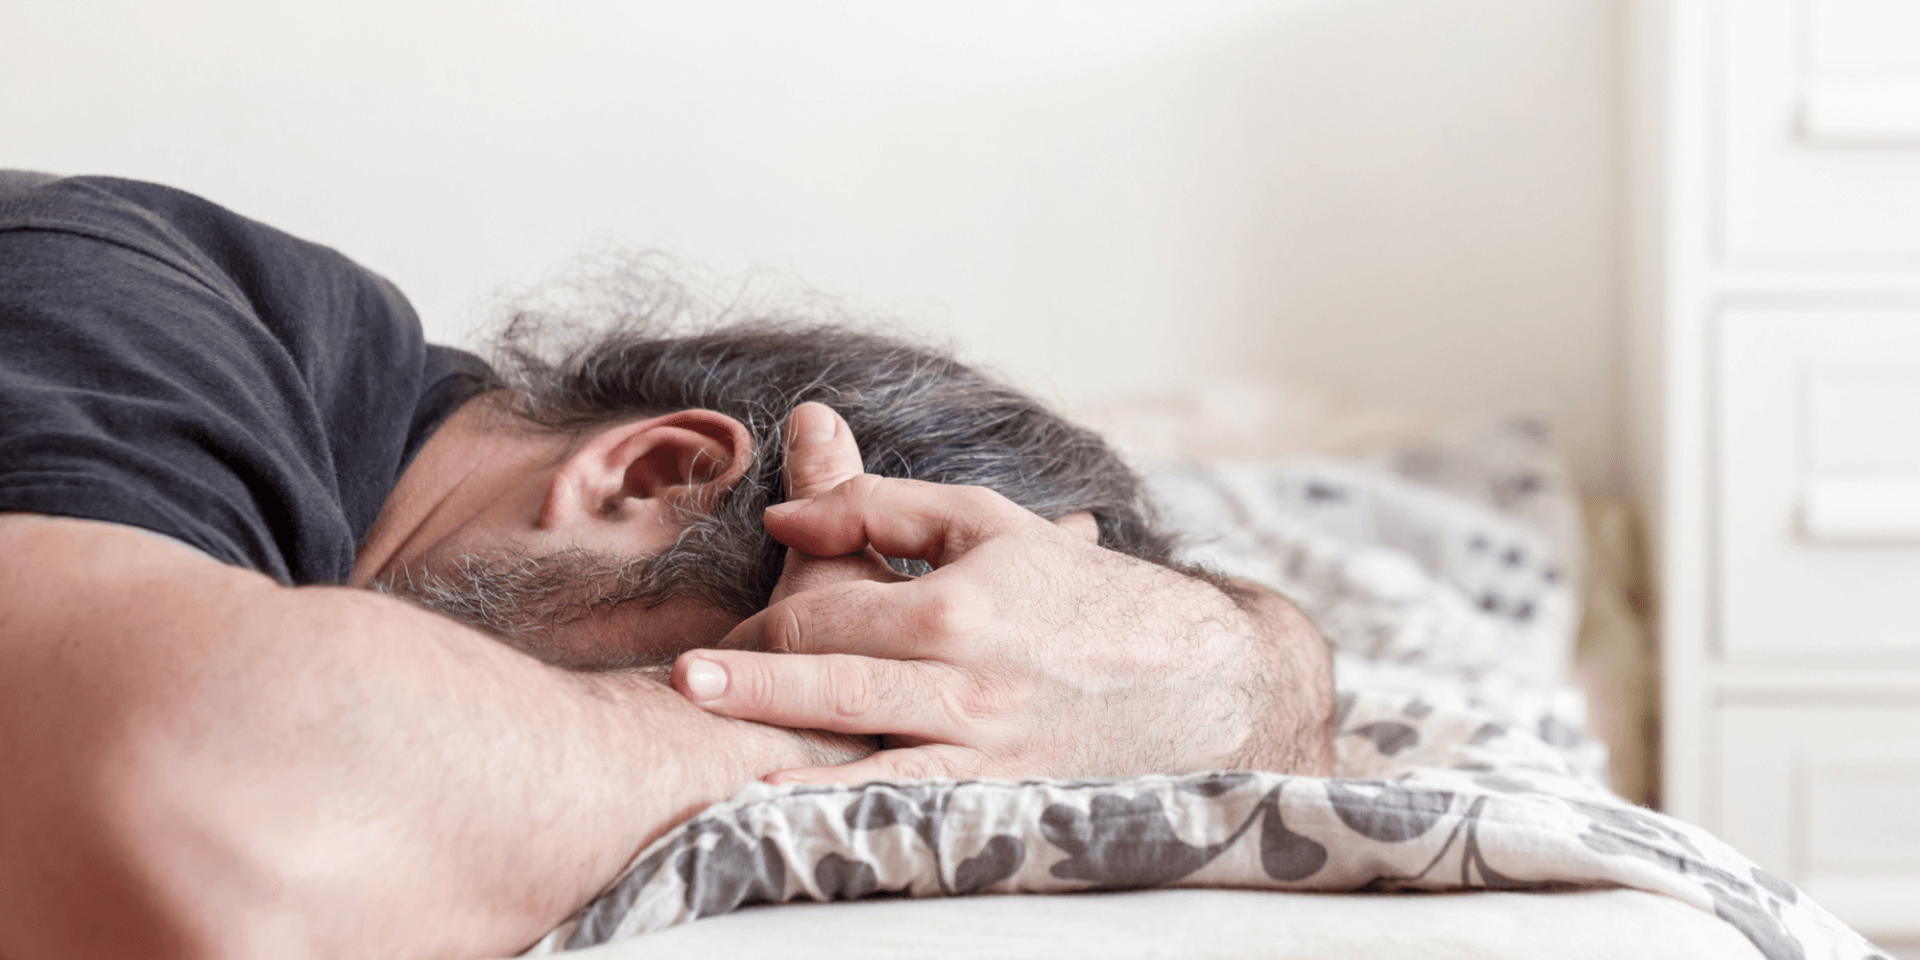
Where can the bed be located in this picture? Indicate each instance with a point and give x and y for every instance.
(1468, 815)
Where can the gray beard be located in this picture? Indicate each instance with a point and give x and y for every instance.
(519, 598)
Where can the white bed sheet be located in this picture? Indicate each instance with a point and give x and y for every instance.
(1238, 924)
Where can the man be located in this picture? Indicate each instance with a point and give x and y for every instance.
(212, 752)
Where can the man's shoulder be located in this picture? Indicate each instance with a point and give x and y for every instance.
(106, 208)
(179, 231)
(171, 365)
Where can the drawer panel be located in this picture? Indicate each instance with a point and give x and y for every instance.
(1830, 799)
(1819, 122)
(1817, 484)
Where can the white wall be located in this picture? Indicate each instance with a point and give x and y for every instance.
(1414, 200)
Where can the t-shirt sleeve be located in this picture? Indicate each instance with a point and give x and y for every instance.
(167, 364)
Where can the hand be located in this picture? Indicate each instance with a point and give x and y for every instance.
(821, 455)
(1027, 652)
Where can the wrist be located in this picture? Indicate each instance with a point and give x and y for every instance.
(717, 755)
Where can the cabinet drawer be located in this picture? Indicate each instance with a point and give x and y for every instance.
(1830, 799)
(1817, 486)
(1819, 122)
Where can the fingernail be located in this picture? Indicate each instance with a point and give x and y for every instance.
(782, 509)
(705, 680)
(813, 423)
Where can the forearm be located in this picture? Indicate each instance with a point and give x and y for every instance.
(258, 771)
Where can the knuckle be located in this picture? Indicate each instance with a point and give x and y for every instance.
(850, 687)
(787, 628)
(860, 487)
(948, 614)
(817, 474)
(940, 615)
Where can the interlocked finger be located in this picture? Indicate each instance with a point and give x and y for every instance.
(900, 518)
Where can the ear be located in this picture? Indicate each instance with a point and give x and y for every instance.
(682, 459)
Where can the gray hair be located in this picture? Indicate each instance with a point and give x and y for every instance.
(646, 344)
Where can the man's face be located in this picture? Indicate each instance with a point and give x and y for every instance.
(591, 610)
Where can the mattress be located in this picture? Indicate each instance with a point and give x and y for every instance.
(1199, 924)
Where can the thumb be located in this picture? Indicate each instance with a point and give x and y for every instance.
(821, 454)
(820, 451)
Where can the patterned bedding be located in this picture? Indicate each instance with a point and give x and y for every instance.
(1443, 574)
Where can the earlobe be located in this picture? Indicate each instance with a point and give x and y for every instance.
(687, 459)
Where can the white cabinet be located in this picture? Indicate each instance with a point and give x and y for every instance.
(1775, 264)
(1817, 481)
(1827, 795)
(1818, 112)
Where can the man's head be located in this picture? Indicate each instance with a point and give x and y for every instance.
(708, 407)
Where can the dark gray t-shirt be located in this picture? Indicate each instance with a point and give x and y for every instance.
(170, 365)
